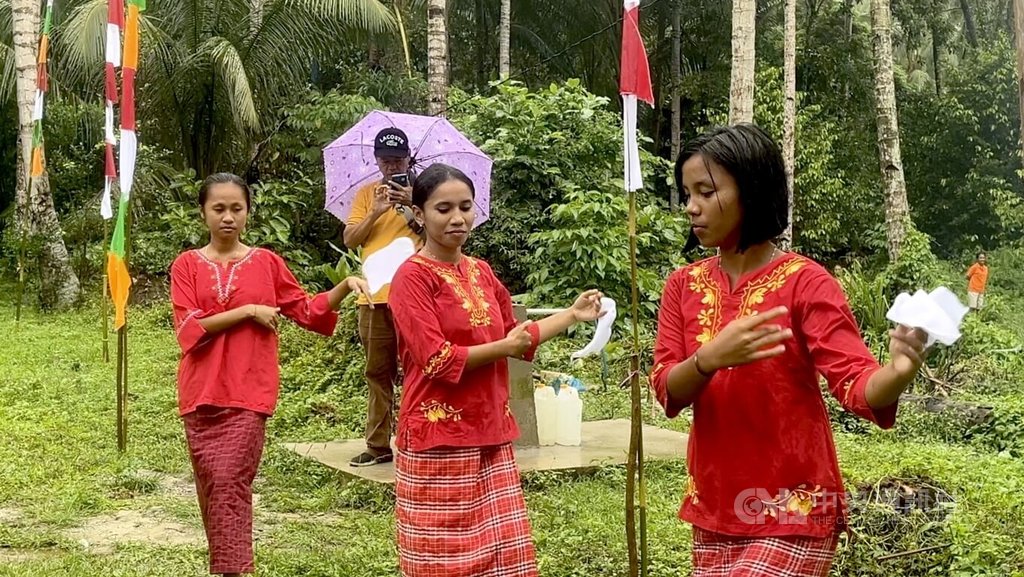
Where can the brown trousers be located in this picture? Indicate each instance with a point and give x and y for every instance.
(377, 333)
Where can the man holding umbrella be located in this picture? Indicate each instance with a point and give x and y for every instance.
(380, 215)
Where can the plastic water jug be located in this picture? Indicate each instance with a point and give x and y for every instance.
(570, 417)
(547, 414)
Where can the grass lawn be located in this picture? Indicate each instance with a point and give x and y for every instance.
(71, 505)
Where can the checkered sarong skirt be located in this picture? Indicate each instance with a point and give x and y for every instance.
(717, 555)
(461, 513)
(226, 445)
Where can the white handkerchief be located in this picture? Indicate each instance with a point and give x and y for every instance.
(938, 313)
(603, 333)
(380, 267)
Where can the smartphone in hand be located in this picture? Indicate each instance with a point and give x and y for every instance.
(401, 179)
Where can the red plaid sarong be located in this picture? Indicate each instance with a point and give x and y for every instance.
(717, 555)
(461, 513)
(226, 445)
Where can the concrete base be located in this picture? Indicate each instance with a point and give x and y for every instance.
(604, 443)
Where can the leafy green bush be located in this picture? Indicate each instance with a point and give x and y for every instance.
(323, 391)
(587, 246)
(546, 145)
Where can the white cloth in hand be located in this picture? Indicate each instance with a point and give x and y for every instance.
(603, 333)
(380, 267)
(938, 313)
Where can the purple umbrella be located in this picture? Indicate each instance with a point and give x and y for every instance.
(349, 163)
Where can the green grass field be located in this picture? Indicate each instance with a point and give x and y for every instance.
(71, 505)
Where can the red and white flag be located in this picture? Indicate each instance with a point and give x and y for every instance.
(634, 84)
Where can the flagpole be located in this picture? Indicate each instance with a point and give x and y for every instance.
(634, 85)
(104, 303)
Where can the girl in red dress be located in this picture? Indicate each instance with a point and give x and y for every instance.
(742, 337)
(460, 508)
(227, 298)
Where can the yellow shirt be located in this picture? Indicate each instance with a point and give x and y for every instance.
(389, 226)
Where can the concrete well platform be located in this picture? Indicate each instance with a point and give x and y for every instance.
(604, 443)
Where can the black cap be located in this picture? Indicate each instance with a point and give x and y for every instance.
(391, 143)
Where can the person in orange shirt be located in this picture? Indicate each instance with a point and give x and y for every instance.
(977, 279)
(381, 214)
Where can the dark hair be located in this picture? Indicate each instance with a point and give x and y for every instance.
(434, 176)
(754, 160)
(224, 178)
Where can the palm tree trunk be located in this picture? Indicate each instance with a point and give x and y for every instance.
(741, 87)
(789, 110)
(437, 56)
(504, 34)
(969, 26)
(677, 78)
(1018, 33)
(60, 286)
(897, 208)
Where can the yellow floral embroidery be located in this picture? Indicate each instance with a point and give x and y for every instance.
(755, 291)
(847, 390)
(439, 359)
(435, 411)
(709, 318)
(799, 501)
(476, 305)
(691, 491)
(656, 371)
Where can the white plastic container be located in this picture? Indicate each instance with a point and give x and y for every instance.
(570, 417)
(546, 403)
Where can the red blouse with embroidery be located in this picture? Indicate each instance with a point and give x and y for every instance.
(236, 367)
(441, 310)
(761, 458)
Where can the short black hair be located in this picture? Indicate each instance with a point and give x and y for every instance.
(754, 160)
(224, 178)
(434, 176)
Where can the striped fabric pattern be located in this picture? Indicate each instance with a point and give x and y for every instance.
(115, 22)
(42, 87)
(717, 555)
(117, 268)
(461, 513)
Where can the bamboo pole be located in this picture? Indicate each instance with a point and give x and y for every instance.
(636, 483)
(104, 304)
(122, 350)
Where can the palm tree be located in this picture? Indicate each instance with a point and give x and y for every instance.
(677, 79)
(504, 31)
(741, 88)
(437, 55)
(37, 215)
(6, 52)
(789, 109)
(897, 208)
(212, 73)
